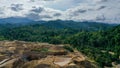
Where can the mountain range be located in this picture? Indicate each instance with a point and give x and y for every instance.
(56, 24)
(15, 20)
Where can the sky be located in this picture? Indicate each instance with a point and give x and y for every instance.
(107, 11)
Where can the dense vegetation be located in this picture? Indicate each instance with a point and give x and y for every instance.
(99, 44)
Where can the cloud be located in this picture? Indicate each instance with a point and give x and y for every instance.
(77, 10)
(98, 10)
(1, 12)
(41, 13)
(16, 7)
(101, 7)
(36, 17)
(57, 14)
(40, 0)
(37, 9)
(100, 18)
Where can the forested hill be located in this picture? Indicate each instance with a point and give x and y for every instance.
(77, 25)
(44, 31)
(101, 46)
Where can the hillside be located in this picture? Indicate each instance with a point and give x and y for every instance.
(20, 54)
(101, 46)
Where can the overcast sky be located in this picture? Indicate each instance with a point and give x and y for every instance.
(77, 10)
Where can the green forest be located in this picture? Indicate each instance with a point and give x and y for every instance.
(101, 45)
